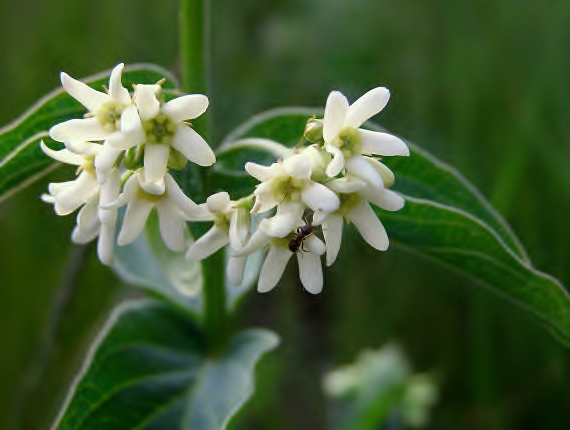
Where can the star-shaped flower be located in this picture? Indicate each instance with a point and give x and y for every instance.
(86, 192)
(160, 127)
(173, 206)
(348, 143)
(355, 196)
(104, 109)
(279, 253)
(289, 186)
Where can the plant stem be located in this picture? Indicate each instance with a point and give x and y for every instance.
(195, 51)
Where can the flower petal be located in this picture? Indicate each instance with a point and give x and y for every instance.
(63, 155)
(155, 160)
(134, 221)
(369, 226)
(263, 173)
(375, 142)
(298, 166)
(76, 193)
(310, 272)
(81, 147)
(337, 163)
(193, 146)
(346, 185)
(234, 270)
(171, 225)
(335, 114)
(257, 241)
(209, 243)
(131, 125)
(385, 173)
(104, 162)
(264, 198)
(84, 129)
(193, 211)
(239, 228)
(146, 101)
(106, 243)
(287, 218)
(315, 245)
(367, 106)
(319, 197)
(332, 231)
(219, 203)
(360, 167)
(273, 268)
(186, 107)
(83, 93)
(383, 198)
(116, 89)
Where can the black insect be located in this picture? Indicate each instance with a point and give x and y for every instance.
(303, 232)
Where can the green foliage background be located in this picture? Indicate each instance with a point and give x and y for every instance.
(482, 84)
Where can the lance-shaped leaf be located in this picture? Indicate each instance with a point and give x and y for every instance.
(21, 160)
(149, 369)
(444, 218)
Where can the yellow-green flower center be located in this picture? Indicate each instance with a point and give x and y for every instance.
(286, 187)
(349, 142)
(109, 115)
(159, 129)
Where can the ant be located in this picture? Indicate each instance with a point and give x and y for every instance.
(302, 233)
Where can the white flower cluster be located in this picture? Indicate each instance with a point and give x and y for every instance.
(335, 178)
(127, 142)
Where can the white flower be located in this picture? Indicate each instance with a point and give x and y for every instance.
(355, 196)
(92, 220)
(160, 127)
(95, 221)
(69, 196)
(105, 109)
(231, 225)
(173, 208)
(288, 185)
(347, 142)
(308, 259)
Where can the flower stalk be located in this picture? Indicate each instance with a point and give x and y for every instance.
(195, 56)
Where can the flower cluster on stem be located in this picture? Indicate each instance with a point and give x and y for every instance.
(123, 148)
(127, 142)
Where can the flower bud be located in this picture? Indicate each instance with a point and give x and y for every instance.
(314, 130)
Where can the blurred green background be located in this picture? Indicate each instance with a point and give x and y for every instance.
(482, 84)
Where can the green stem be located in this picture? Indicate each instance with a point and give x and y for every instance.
(195, 50)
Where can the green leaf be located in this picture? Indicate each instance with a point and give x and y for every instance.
(21, 160)
(445, 217)
(149, 369)
(148, 264)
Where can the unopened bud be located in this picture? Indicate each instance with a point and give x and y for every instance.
(314, 130)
